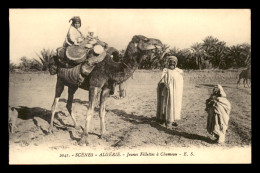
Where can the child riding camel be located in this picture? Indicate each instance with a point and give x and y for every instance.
(74, 35)
(78, 56)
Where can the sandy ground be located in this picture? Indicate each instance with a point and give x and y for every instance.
(130, 122)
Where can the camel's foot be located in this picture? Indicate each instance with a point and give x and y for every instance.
(14, 127)
(50, 130)
(11, 128)
(103, 134)
(77, 127)
(83, 141)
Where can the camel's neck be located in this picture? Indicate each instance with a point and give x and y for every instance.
(129, 63)
(132, 56)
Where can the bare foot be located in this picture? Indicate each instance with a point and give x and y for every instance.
(83, 141)
(168, 126)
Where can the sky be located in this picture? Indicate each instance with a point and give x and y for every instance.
(32, 30)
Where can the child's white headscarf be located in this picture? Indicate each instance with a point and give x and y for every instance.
(219, 90)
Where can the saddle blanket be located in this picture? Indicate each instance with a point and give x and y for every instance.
(70, 75)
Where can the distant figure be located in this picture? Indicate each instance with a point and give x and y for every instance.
(169, 94)
(218, 109)
(246, 75)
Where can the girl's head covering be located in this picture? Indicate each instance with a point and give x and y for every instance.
(172, 58)
(219, 91)
(75, 19)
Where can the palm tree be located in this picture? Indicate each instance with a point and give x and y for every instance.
(221, 53)
(229, 59)
(198, 53)
(158, 58)
(241, 54)
(46, 58)
(246, 52)
(209, 44)
(185, 59)
(174, 51)
(234, 53)
(216, 51)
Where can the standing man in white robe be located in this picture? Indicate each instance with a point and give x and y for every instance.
(169, 94)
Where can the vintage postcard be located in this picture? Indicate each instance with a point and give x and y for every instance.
(129, 86)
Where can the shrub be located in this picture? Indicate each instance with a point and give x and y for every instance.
(12, 67)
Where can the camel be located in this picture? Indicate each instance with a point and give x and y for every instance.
(246, 75)
(102, 79)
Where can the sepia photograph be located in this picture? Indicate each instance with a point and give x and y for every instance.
(129, 86)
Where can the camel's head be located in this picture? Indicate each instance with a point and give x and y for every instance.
(143, 45)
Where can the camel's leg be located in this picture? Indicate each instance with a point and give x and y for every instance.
(247, 83)
(93, 91)
(122, 90)
(102, 112)
(58, 92)
(97, 100)
(71, 92)
(244, 82)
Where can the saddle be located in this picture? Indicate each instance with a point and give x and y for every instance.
(76, 54)
(70, 56)
(75, 62)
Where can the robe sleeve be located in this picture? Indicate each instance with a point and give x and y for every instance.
(179, 70)
(73, 35)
